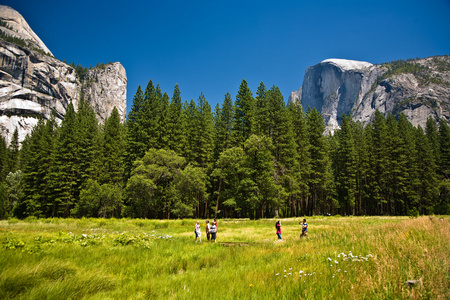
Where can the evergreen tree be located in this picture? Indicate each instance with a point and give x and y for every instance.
(66, 166)
(136, 142)
(280, 130)
(243, 115)
(163, 138)
(346, 167)
(444, 149)
(362, 156)
(380, 162)
(113, 151)
(396, 174)
(300, 132)
(320, 176)
(426, 182)
(223, 124)
(3, 159)
(205, 145)
(175, 126)
(192, 131)
(262, 114)
(150, 115)
(88, 145)
(32, 174)
(371, 189)
(443, 205)
(259, 188)
(13, 158)
(408, 197)
(432, 133)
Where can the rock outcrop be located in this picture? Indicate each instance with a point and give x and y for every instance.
(416, 88)
(33, 84)
(16, 26)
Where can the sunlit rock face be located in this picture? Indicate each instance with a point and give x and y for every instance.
(338, 86)
(33, 84)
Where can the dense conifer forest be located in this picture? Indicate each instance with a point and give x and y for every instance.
(252, 157)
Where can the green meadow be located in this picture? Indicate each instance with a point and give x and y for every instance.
(342, 258)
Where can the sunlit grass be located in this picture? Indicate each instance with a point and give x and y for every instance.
(143, 259)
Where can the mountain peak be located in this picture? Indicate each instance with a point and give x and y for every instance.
(17, 27)
(346, 64)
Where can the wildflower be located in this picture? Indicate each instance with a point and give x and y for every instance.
(329, 259)
(301, 272)
(284, 276)
(84, 235)
(251, 285)
(284, 271)
(336, 262)
(277, 274)
(290, 269)
(289, 273)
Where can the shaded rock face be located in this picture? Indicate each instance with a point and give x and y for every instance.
(105, 88)
(337, 86)
(32, 85)
(417, 96)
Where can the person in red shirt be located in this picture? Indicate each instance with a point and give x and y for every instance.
(278, 227)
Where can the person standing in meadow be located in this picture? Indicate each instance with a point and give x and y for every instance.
(197, 232)
(208, 226)
(278, 227)
(213, 231)
(304, 228)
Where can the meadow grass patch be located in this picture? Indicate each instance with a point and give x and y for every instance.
(342, 258)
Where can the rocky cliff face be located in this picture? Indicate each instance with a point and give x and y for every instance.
(32, 84)
(418, 89)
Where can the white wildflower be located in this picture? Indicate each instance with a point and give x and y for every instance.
(336, 262)
(329, 259)
(277, 274)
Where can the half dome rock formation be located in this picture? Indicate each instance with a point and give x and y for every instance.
(33, 83)
(417, 88)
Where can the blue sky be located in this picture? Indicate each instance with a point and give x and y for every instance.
(210, 46)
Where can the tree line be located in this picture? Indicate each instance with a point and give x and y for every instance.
(252, 157)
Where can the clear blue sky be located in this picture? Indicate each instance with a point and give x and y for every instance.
(210, 46)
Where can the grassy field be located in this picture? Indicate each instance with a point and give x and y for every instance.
(343, 258)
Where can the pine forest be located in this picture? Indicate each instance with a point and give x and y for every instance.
(250, 157)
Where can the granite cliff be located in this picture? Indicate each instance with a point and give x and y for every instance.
(33, 83)
(417, 88)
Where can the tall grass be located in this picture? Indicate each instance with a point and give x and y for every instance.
(143, 259)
